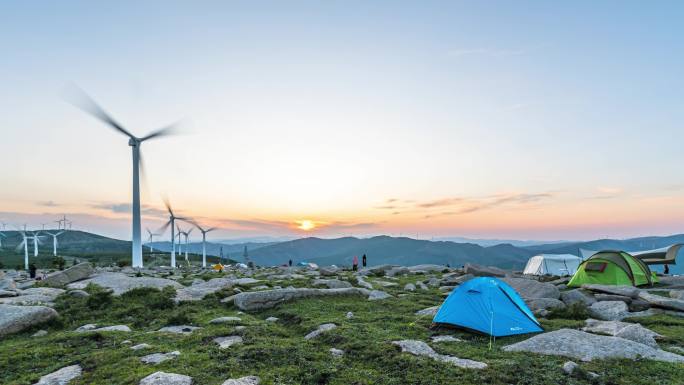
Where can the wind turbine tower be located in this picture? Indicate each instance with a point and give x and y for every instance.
(204, 243)
(54, 241)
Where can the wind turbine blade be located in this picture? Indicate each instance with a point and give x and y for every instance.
(166, 131)
(143, 172)
(165, 226)
(210, 229)
(81, 100)
(168, 205)
(21, 245)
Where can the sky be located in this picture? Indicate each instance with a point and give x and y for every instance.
(499, 119)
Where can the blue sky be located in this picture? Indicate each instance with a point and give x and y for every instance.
(539, 120)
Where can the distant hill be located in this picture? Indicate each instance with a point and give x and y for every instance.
(233, 250)
(71, 242)
(385, 249)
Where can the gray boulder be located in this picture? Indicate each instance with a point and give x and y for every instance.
(609, 310)
(328, 271)
(321, 329)
(677, 294)
(626, 291)
(162, 378)
(483, 271)
(249, 380)
(430, 311)
(120, 283)
(361, 282)
(222, 320)
(62, 376)
(179, 329)
(427, 268)
(14, 319)
(226, 342)
(577, 296)
(536, 304)
(8, 293)
(664, 302)
(613, 297)
(158, 358)
(626, 330)
(72, 274)
(399, 270)
(456, 279)
(200, 290)
(267, 299)
(409, 287)
(420, 348)
(7, 283)
(637, 305)
(586, 347)
(529, 288)
(375, 295)
(332, 283)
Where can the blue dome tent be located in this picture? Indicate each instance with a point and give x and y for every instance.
(489, 306)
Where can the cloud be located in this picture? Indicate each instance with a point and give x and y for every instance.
(491, 52)
(48, 204)
(125, 208)
(281, 226)
(462, 205)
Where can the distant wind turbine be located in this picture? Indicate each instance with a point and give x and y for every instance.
(35, 237)
(204, 242)
(172, 223)
(150, 238)
(24, 243)
(87, 104)
(2, 235)
(187, 245)
(54, 241)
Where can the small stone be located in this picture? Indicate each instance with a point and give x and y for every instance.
(410, 287)
(141, 346)
(272, 319)
(430, 311)
(321, 329)
(126, 342)
(336, 352)
(420, 348)
(569, 367)
(221, 320)
(349, 315)
(40, 333)
(226, 342)
(181, 329)
(161, 378)
(62, 376)
(157, 358)
(378, 295)
(250, 380)
(446, 339)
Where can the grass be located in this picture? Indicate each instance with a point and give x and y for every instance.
(278, 353)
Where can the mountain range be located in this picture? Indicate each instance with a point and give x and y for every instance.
(340, 251)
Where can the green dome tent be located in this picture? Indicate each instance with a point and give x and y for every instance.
(612, 268)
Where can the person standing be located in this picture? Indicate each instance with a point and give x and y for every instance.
(289, 263)
(363, 260)
(355, 263)
(32, 271)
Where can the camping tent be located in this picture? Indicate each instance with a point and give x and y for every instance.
(662, 256)
(489, 306)
(612, 268)
(552, 264)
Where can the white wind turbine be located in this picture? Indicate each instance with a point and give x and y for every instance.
(88, 105)
(54, 240)
(172, 223)
(186, 234)
(35, 237)
(24, 243)
(204, 242)
(150, 238)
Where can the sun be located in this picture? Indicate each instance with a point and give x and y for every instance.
(306, 225)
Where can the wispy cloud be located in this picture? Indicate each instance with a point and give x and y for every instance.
(492, 52)
(605, 192)
(48, 204)
(124, 208)
(281, 226)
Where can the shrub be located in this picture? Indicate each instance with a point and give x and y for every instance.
(99, 298)
(576, 311)
(59, 262)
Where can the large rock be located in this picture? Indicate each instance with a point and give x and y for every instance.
(626, 330)
(332, 283)
(609, 310)
(158, 358)
(420, 348)
(399, 270)
(455, 279)
(529, 288)
(536, 304)
(321, 329)
(257, 300)
(483, 271)
(179, 329)
(586, 347)
(14, 319)
(226, 342)
(627, 291)
(161, 378)
(198, 291)
(612, 297)
(672, 281)
(7, 283)
(664, 302)
(361, 282)
(677, 294)
(376, 295)
(430, 311)
(62, 376)
(72, 274)
(120, 283)
(427, 268)
(574, 296)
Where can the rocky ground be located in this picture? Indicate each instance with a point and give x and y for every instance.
(324, 326)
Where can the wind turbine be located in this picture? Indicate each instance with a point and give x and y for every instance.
(172, 223)
(24, 243)
(180, 244)
(60, 221)
(2, 235)
(35, 237)
(204, 242)
(87, 104)
(187, 246)
(151, 238)
(54, 241)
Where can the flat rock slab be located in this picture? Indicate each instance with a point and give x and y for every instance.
(74, 273)
(445, 339)
(586, 347)
(226, 342)
(162, 378)
(426, 268)
(430, 311)
(626, 330)
(420, 348)
(222, 320)
(62, 376)
(249, 380)
(609, 310)
(574, 296)
(29, 300)
(198, 291)
(180, 329)
(141, 347)
(158, 358)
(536, 304)
(375, 295)
(483, 271)
(627, 291)
(14, 319)
(332, 283)
(530, 288)
(664, 302)
(120, 283)
(321, 329)
(93, 328)
(267, 299)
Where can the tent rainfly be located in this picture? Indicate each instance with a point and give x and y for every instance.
(612, 268)
(552, 264)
